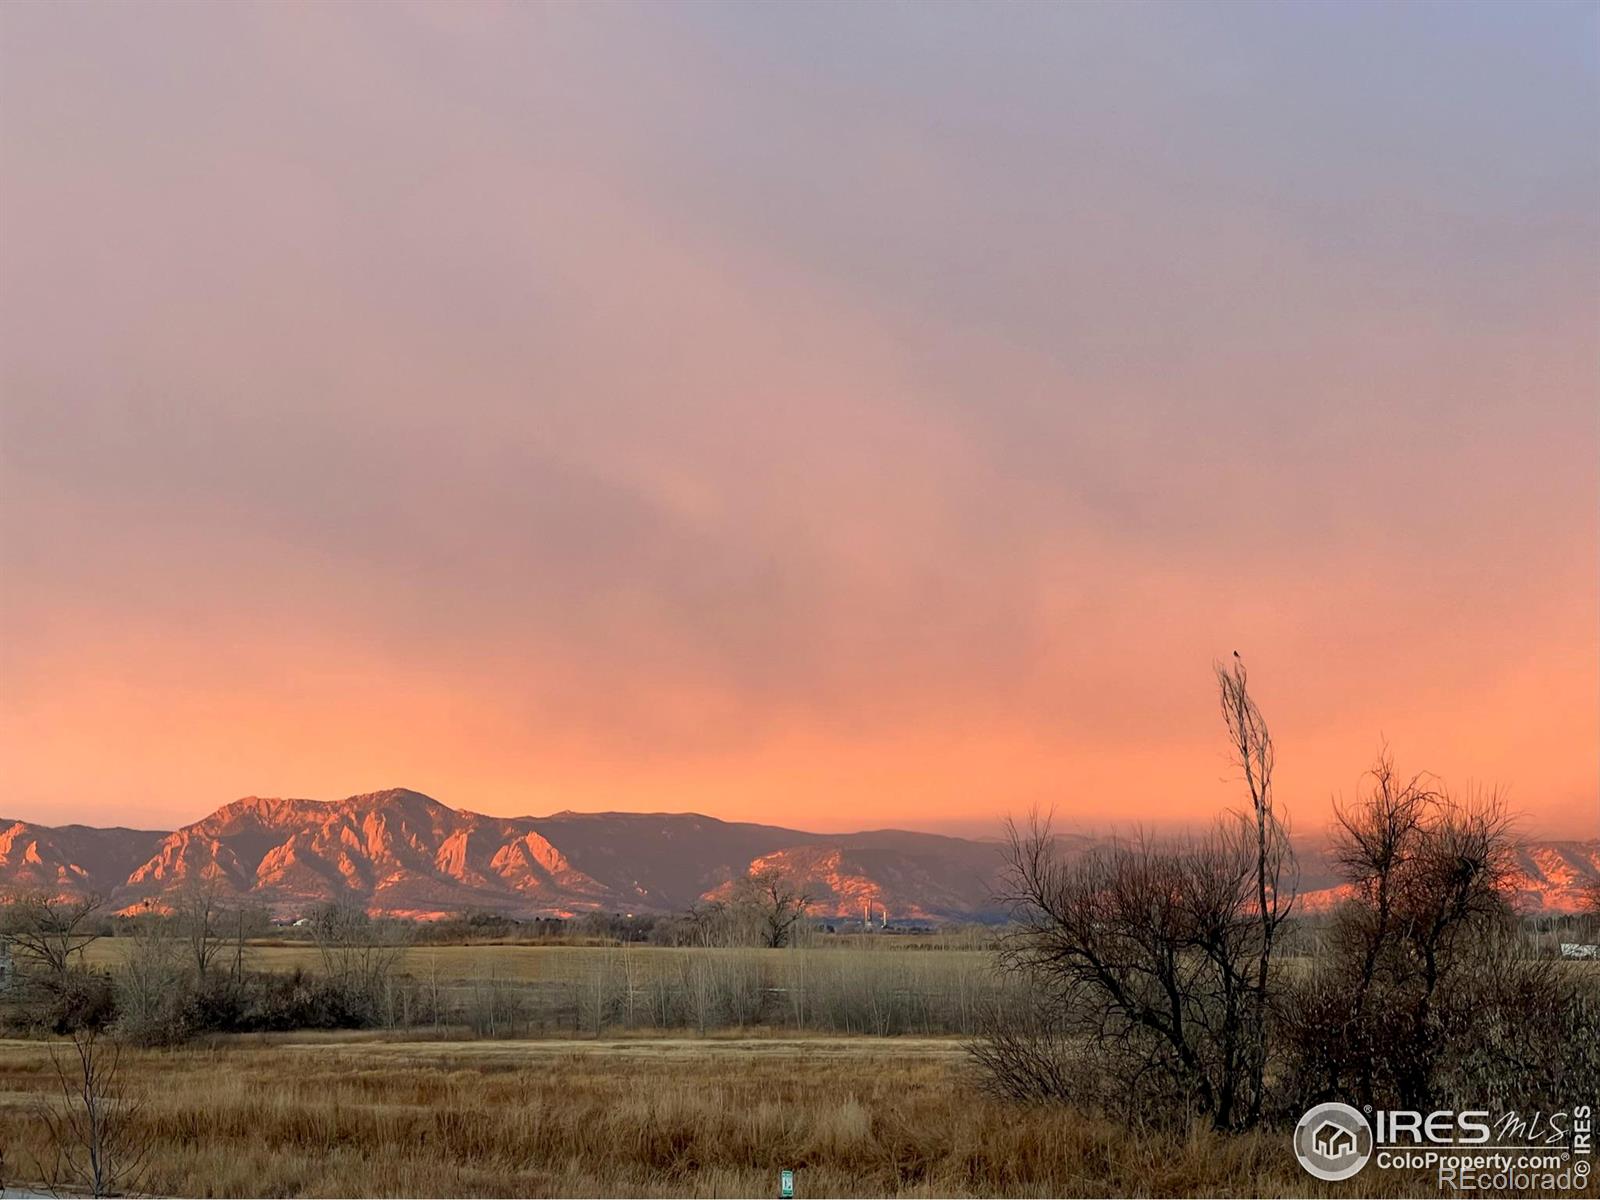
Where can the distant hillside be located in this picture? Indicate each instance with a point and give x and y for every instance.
(70, 858)
(403, 853)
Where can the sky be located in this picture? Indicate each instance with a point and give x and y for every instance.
(841, 416)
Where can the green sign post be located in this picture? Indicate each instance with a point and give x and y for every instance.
(786, 1185)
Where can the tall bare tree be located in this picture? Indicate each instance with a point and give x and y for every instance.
(1252, 751)
(243, 923)
(201, 922)
(1150, 963)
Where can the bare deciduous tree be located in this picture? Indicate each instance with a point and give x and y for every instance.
(1591, 898)
(202, 924)
(1150, 964)
(1429, 912)
(708, 923)
(47, 931)
(1252, 751)
(777, 905)
(200, 920)
(1143, 956)
(244, 922)
(358, 951)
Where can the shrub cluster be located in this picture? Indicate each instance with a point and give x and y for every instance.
(186, 1007)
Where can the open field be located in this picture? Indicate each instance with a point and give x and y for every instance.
(582, 1070)
(343, 1115)
(525, 990)
(533, 962)
(864, 986)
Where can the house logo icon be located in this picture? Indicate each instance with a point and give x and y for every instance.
(1333, 1141)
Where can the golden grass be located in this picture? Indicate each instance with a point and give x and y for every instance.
(659, 1117)
(660, 1114)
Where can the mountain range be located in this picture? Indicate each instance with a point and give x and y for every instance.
(405, 854)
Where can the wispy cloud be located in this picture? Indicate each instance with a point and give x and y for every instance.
(860, 415)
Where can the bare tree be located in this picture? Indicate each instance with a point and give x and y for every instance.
(1150, 963)
(1251, 749)
(1429, 914)
(1374, 842)
(359, 952)
(708, 923)
(47, 931)
(96, 1138)
(1591, 897)
(777, 904)
(200, 919)
(243, 923)
(1141, 960)
(151, 989)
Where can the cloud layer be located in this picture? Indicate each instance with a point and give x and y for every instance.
(843, 415)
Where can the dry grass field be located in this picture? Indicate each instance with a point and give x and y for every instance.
(343, 1115)
(627, 1106)
(852, 986)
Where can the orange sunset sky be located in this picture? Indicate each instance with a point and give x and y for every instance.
(836, 416)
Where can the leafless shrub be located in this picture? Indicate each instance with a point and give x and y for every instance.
(152, 991)
(493, 1006)
(1422, 969)
(360, 953)
(96, 1141)
(1027, 1052)
(1522, 1034)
